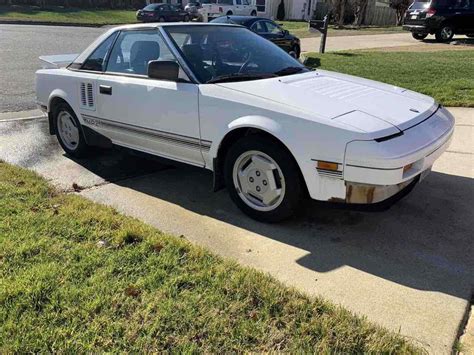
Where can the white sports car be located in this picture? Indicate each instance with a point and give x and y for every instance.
(223, 98)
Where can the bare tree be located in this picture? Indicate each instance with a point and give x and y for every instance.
(400, 7)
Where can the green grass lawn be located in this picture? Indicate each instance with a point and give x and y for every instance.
(445, 75)
(76, 276)
(300, 29)
(93, 17)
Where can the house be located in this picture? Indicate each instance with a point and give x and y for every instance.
(294, 9)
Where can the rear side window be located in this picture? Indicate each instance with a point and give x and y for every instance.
(96, 60)
(420, 5)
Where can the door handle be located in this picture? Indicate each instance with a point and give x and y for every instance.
(106, 90)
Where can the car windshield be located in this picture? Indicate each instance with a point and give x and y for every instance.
(420, 5)
(230, 53)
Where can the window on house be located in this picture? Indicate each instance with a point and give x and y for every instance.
(261, 5)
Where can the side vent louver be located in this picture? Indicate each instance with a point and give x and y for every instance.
(87, 96)
(83, 95)
(90, 95)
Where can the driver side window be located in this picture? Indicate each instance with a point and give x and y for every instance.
(133, 50)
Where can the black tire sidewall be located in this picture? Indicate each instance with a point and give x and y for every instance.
(294, 192)
(419, 36)
(253, 13)
(82, 148)
(440, 38)
(297, 50)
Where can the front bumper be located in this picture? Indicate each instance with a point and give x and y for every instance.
(376, 171)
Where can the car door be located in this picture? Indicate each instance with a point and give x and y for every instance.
(238, 8)
(277, 35)
(464, 15)
(245, 8)
(154, 116)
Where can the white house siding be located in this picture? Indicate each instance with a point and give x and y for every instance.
(294, 9)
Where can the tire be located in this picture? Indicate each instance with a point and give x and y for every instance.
(229, 13)
(419, 36)
(186, 18)
(259, 163)
(253, 13)
(445, 33)
(297, 50)
(161, 19)
(69, 132)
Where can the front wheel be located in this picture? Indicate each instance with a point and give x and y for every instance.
(253, 13)
(263, 179)
(186, 18)
(445, 33)
(419, 36)
(68, 131)
(161, 19)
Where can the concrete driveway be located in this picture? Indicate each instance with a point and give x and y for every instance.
(410, 268)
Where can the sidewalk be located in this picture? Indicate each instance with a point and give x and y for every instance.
(365, 42)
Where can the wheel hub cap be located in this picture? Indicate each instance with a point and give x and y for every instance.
(67, 130)
(259, 181)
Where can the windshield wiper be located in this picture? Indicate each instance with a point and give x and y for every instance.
(240, 77)
(289, 71)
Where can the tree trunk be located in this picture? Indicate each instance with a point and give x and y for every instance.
(342, 12)
(360, 12)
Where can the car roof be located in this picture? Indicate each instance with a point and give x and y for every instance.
(174, 24)
(240, 20)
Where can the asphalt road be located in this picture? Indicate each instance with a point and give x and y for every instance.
(410, 268)
(20, 47)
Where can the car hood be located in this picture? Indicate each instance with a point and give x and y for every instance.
(364, 104)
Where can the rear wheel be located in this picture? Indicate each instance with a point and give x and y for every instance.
(445, 33)
(263, 179)
(69, 132)
(253, 13)
(229, 13)
(161, 19)
(419, 36)
(186, 18)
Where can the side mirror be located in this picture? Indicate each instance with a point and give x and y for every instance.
(163, 70)
(293, 54)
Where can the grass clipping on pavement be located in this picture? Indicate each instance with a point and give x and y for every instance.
(76, 276)
(448, 76)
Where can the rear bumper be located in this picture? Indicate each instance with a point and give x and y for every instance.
(416, 28)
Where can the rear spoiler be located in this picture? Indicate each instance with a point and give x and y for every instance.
(57, 61)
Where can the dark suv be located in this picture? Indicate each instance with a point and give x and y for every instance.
(443, 18)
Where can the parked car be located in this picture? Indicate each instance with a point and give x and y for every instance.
(162, 13)
(443, 18)
(216, 8)
(221, 97)
(267, 29)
